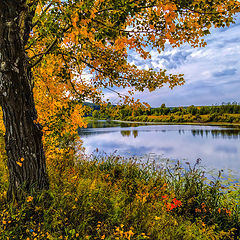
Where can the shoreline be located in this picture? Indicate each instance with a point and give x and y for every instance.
(181, 123)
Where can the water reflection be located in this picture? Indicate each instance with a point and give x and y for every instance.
(101, 127)
(135, 133)
(218, 147)
(215, 133)
(127, 133)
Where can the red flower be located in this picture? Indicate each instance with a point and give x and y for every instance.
(178, 203)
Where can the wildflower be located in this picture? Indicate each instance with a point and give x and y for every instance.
(144, 235)
(172, 206)
(177, 203)
(103, 236)
(29, 198)
(18, 163)
(129, 233)
(228, 212)
(198, 210)
(164, 196)
(4, 222)
(157, 218)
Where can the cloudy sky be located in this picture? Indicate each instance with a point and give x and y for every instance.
(212, 73)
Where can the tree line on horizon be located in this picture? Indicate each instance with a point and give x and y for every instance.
(126, 112)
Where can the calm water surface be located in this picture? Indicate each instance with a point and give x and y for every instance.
(218, 147)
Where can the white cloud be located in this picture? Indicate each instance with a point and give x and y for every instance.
(211, 73)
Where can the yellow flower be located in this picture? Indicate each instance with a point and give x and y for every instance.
(130, 232)
(4, 222)
(103, 236)
(29, 198)
(157, 218)
(18, 163)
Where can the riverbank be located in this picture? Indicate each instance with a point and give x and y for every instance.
(222, 124)
(203, 120)
(114, 198)
(180, 123)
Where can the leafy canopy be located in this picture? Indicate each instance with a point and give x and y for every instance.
(75, 38)
(78, 47)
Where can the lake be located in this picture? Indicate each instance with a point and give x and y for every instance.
(217, 146)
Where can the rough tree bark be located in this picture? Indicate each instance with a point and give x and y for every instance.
(23, 137)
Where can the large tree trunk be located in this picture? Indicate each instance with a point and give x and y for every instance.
(23, 137)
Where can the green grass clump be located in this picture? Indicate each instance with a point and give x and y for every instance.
(114, 198)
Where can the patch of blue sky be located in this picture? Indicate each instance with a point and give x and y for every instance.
(211, 73)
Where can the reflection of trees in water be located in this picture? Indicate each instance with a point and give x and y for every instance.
(180, 131)
(108, 124)
(135, 133)
(127, 133)
(217, 133)
(102, 124)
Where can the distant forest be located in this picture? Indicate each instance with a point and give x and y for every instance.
(229, 113)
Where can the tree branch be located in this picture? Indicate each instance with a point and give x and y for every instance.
(37, 21)
(73, 86)
(43, 54)
(50, 47)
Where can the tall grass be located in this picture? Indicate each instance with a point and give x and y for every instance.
(115, 198)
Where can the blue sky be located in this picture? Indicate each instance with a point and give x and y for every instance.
(212, 73)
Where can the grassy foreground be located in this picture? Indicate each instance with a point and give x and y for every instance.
(110, 198)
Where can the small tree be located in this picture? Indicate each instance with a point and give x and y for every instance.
(95, 114)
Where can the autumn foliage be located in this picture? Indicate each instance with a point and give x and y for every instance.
(78, 48)
(75, 49)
